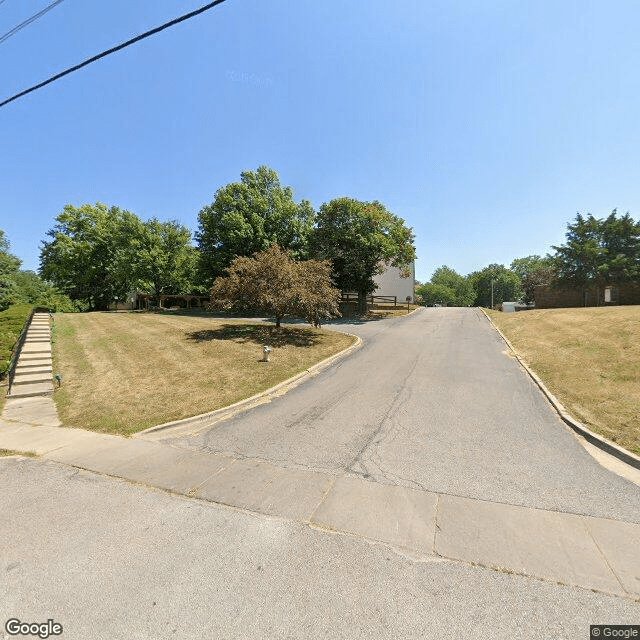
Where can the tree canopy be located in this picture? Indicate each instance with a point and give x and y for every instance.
(432, 294)
(99, 254)
(599, 251)
(506, 285)
(26, 287)
(532, 270)
(462, 293)
(8, 262)
(360, 238)
(9, 267)
(247, 217)
(165, 261)
(271, 282)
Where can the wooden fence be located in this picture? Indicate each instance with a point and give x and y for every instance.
(371, 299)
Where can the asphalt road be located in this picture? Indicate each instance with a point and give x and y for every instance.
(432, 401)
(109, 560)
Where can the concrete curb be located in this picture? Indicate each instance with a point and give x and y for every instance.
(259, 398)
(599, 441)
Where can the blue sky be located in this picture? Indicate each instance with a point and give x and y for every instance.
(485, 124)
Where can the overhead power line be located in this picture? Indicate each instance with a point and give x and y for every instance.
(28, 21)
(142, 36)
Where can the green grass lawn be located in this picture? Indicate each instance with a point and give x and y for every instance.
(124, 372)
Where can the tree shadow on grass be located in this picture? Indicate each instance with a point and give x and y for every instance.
(258, 334)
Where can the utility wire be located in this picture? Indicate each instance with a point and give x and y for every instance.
(142, 36)
(28, 21)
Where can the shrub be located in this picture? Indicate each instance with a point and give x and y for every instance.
(11, 323)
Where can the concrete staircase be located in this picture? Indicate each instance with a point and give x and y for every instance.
(33, 375)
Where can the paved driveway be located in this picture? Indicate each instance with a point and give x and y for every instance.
(271, 548)
(433, 401)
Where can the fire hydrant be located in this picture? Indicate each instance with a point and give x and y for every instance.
(265, 353)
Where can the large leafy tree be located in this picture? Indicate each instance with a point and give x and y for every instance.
(532, 270)
(529, 264)
(599, 251)
(272, 282)
(8, 262)
(89, 256)
(9, 267)
(165, 261)
(504, 283)
(98, 255)
(432, 294)
(248, 216)
(26, 287)
(360, 238)
(32, 289)
(462, 293)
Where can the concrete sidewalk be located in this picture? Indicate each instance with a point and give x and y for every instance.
(572, 549)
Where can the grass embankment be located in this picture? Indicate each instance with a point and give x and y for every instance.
(122, 373)
(589, 359)
(11, 323)
(391, 311)
(378, 312)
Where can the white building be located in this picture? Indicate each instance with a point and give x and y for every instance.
(391, 283)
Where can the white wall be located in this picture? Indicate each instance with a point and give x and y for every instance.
(391, 284)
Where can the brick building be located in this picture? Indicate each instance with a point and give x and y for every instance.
(547, 297)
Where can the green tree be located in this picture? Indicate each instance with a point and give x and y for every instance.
(506, 285)
(248, 216)
(316, 297)
(432, 294)
(463, 293)
(598, 252)
(9, 267)
(528, 284)
(165, 261)
(8, 262)
(360, 238)
(529, 264)
(33, 290)
(620, 237)
(99, 255)
(90, 255)
(272, 282)
(533, 270)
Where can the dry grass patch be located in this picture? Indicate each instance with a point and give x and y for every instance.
(378, 312)
(392, 312)
(589, 359)
(11, 452)
(122, 373)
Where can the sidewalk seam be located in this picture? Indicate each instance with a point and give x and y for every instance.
(604, 557)
(436, 526)
(322, 499)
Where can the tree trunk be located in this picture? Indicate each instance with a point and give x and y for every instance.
(278, 318)
(362, 302)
